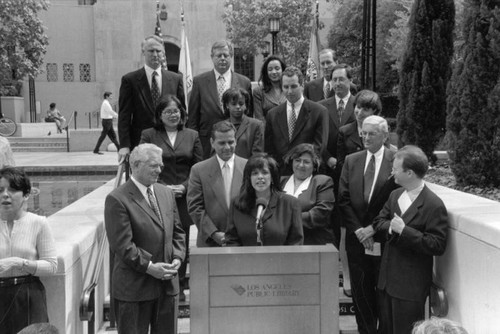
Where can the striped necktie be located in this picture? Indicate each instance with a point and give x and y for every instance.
(291, 122)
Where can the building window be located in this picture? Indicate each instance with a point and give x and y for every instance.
(244, 63)
(85, 73)
(68, 72)
(52, 72)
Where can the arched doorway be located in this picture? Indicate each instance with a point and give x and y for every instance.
(172, 53)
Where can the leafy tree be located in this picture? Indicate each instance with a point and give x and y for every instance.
(425, 72)
(22, 41)
(473, 114)
(247, 25)
(346, 35)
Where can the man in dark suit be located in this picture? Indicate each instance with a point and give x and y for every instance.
(205, 103)
(322, 88)
(295, 122)
(140, 92)
(213, 183)
(148, 245)
(365, 185)
(366, 103)
(414, 222)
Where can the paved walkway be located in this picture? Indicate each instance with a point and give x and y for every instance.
(66, 159)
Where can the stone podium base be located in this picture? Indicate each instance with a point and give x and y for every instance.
(264, 290)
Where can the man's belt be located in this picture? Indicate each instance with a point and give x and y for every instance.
(11, 281)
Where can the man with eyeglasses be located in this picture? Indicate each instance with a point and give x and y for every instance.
(147, 240)
(141, 91)
(365, 185)
(205, 102)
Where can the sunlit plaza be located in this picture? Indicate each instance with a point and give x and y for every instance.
(300, 289)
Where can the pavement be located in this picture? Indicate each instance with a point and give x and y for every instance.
(66, 159)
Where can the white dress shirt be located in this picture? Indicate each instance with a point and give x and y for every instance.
(149, 74)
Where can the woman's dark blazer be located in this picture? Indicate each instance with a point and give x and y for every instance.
(177, 161)
(317, 204)
(282, 223)
(249, 137)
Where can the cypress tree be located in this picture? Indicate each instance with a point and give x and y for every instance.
(473, 114)
(424, 74)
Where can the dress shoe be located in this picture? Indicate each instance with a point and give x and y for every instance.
(182, 296)
(347, 292)
(97, 152)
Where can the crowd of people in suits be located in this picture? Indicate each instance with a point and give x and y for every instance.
(289, 163)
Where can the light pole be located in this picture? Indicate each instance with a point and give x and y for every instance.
(274, 28)
(266, 50)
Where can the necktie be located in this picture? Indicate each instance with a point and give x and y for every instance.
(291, 122)
(326, 90)
(226, 176)
(155, 91)
(340, 110)
(221, 87)
(368, 179)
(154, 205)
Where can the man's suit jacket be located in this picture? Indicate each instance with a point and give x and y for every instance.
(333, 124)
(204, 105)
(206, 199)
(136, 110)
(282, 224)
(249, 137)
(313, 90)
(316, 203)
(177, 161)
(136, 237)
(407, 259)
(354, 211)
(348, 142)
(311, 127)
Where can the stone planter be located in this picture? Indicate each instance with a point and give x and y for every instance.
(13, 108)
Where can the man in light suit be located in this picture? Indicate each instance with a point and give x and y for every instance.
(148, 245)
(414, 222)
(140, 92)
(295, 122)
(322, 88)
(213, 183)
(205, 102)
(365, 185)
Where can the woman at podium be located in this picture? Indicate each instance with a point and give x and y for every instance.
(262, 215)
(314, 192)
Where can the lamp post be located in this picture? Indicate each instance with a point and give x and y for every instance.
(274, 28)
(267, 49)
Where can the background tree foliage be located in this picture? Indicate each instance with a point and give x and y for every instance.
(425, 72)
(247, 26)
(473, 114)
(345, 36)
(22, 41)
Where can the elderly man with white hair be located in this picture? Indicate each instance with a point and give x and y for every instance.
(365, 185)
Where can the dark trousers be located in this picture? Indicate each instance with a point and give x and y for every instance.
(364, 270)
(397, 316)
(107, 129)
(186, 224)
(137, 317)
(22, 305)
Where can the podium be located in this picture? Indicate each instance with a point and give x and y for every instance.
(264, 290)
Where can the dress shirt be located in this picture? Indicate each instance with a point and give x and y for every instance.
(406, 198)
(143, 189)
(327, 82)
(149, 74)
(296, 106)
(379, 155)
(106, 111)
(230, 163)
(227, 78)
(30, 239)
(345, 99)
(289, 187)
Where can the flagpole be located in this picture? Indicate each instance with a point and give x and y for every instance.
(185, 60)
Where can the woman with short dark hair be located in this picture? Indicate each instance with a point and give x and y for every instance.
(314, 192)
(27, 250)
(281, 221)
(181, 150)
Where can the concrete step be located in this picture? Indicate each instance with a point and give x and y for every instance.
(51, 143)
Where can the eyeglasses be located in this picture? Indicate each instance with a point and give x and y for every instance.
(170, 112)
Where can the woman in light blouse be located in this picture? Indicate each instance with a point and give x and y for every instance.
(314, 192)
(27, 250)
